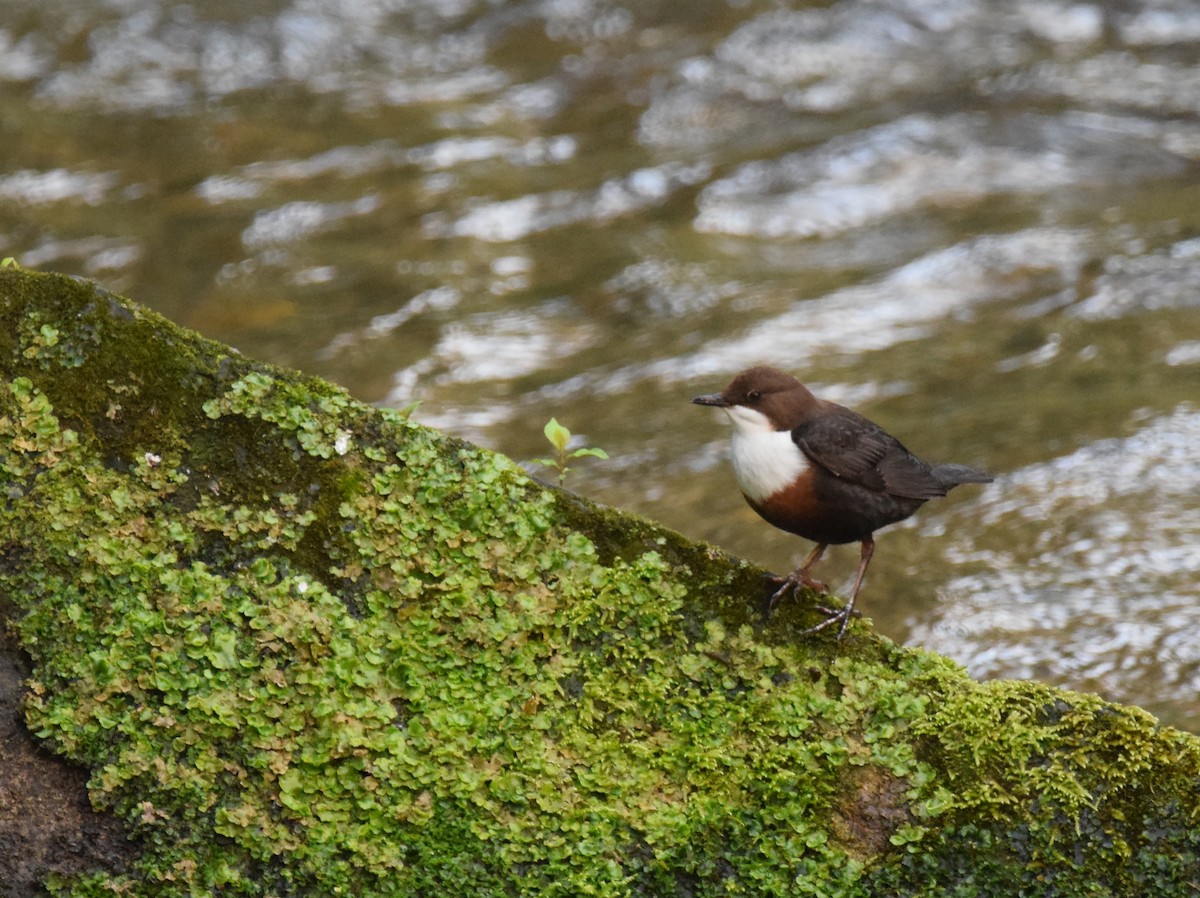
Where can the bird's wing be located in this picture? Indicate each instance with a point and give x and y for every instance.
(859, 451)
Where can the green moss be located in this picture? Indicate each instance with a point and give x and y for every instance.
(307, 647)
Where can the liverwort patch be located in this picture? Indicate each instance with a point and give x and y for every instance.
(307, 647)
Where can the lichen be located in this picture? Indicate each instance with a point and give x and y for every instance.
(305, 646)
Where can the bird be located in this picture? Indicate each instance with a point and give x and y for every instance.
(823, 472)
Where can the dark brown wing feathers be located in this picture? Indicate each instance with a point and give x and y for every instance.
(859, 451)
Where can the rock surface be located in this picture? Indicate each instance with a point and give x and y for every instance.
(304, 646)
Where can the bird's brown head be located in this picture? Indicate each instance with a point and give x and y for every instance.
(775, 395)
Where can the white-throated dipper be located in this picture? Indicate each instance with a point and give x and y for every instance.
(817, 469)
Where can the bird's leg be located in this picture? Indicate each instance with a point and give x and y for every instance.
(799, 577)
(844, 615)
(805, 566)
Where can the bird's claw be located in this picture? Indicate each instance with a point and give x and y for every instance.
(836, 612)
(796, 580)
(791, 583)
(834, 616)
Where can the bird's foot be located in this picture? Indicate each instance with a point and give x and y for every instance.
(789, 584)
(797, 579)
(835, 612)
(833, 616)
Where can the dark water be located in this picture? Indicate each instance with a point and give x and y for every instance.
(977, 222)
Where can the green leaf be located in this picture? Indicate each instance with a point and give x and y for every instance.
(224, 654)
(558, 435)
(598, 453)
(907, 834)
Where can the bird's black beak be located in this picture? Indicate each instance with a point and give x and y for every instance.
(714, 399)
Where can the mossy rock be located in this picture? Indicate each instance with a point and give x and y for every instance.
(308, 647)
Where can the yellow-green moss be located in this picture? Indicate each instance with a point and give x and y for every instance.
(308, 647)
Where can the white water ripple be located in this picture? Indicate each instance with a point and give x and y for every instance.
(1103, 593)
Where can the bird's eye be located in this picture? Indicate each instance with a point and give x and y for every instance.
(753, 396)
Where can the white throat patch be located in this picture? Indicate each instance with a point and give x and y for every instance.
(765, 460)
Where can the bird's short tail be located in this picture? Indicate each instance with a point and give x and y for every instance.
(951, 476)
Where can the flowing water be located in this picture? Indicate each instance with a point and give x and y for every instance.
(976, 221)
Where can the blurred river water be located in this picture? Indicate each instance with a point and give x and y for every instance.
(976, 221)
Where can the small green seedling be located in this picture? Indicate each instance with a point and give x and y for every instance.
(559, 436)
(9, 262)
